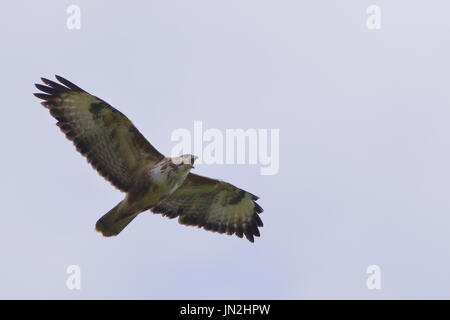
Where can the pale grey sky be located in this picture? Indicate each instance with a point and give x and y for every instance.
(364, 147)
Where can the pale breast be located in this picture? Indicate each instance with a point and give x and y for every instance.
(155, 185)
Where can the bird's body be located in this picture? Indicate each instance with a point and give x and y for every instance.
(119, 152)
(151, 187)
(157, 184)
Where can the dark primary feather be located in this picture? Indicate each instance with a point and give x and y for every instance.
(67, 83)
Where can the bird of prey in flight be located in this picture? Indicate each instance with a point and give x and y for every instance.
(151, 181)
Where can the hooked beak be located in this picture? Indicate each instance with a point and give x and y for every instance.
(193, 160)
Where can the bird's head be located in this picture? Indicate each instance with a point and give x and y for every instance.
(185, 161)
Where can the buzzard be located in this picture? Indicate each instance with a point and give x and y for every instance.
(151, 181)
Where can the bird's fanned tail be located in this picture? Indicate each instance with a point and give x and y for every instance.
(113, 222)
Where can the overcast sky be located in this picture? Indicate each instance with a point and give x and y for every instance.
(364, 139)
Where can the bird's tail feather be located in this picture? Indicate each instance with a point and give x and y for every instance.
(113, 222)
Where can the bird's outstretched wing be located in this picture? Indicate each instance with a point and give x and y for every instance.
(108, 139)
(214, 205)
